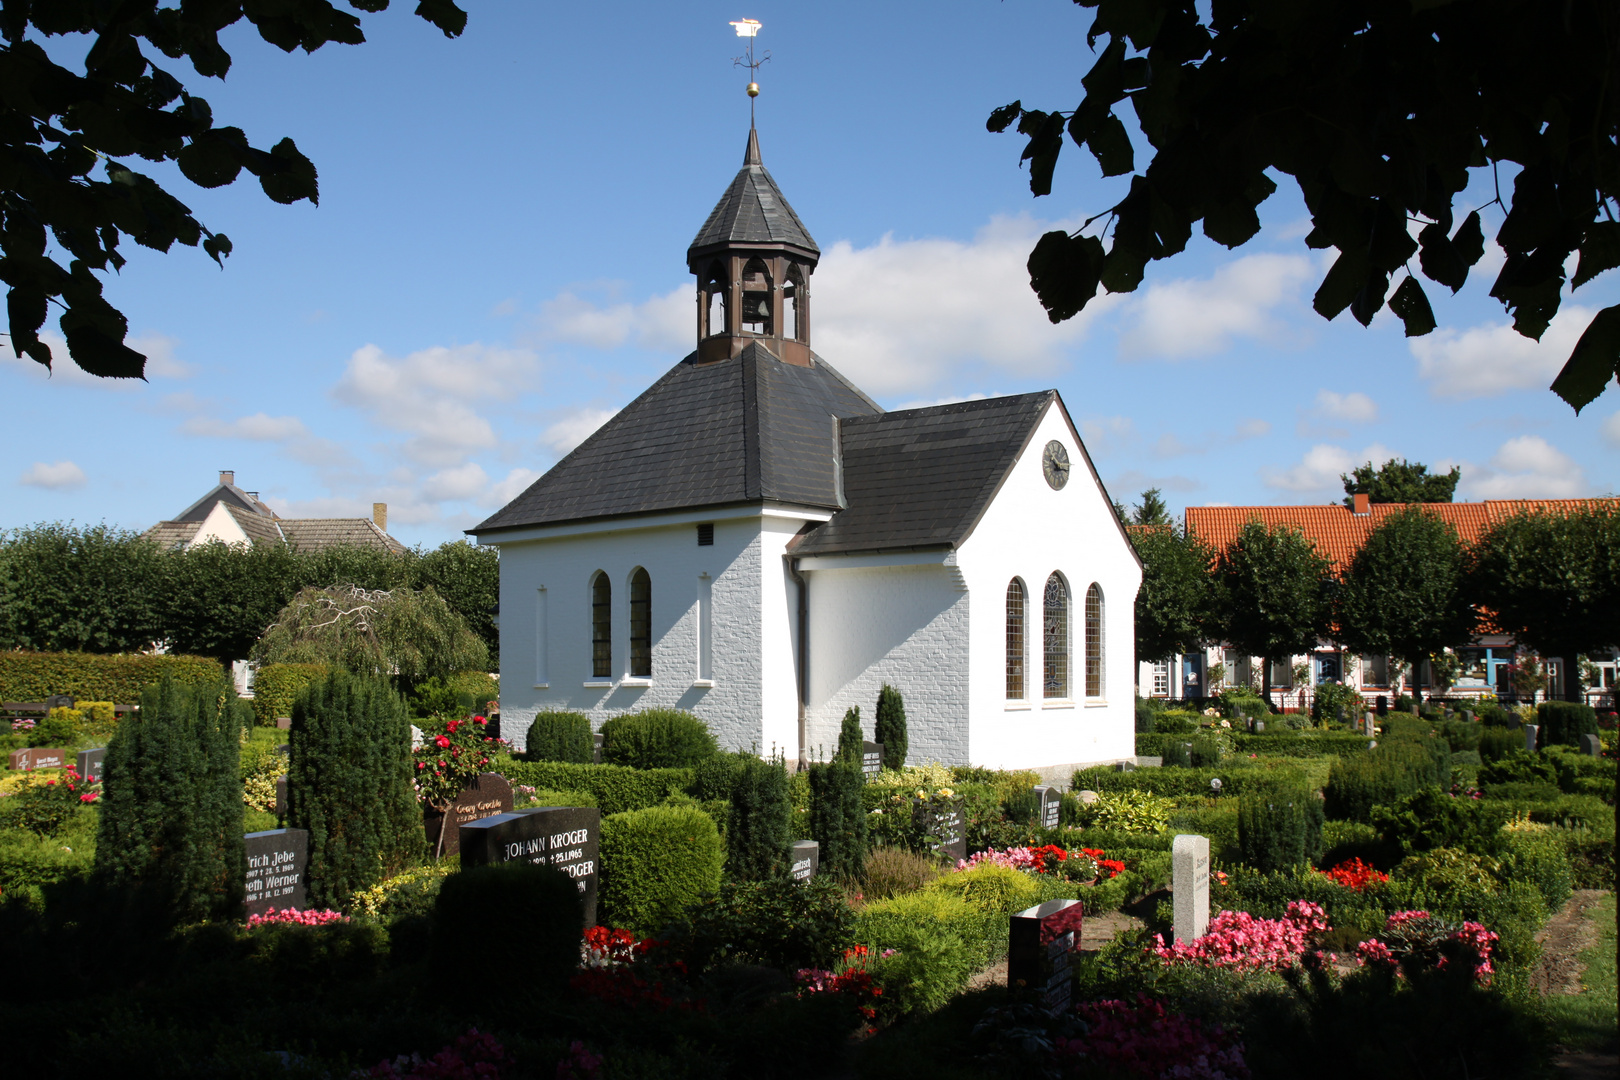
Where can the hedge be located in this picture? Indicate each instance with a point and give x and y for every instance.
(277, 686)
(655, 863)
(1396, 770)
(1564, 722)
(557, 735)
(35, 676)
(617, 788)
(541, 901)
(1178, 782)
(657, 739)
(1272, 744)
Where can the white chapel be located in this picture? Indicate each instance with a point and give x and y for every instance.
(753, 539)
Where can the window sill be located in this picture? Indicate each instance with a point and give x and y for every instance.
(1057, 703)
(634, 680)
(702, 683)
(598, 684)
(542, 686)
(1018, 706)
(1096, 703)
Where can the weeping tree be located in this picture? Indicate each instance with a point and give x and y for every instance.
(410, 633)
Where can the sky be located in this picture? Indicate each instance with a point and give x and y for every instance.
(497, 264)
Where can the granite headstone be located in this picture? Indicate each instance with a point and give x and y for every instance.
(283, 723)
(59, 701)
(1041, 942)
(1049, 801)
(1087, 797)
(871, 758)
(39, 757)
(90, 764)
(947, 825)
(488, 795)
(1592, 745)
(281, 796)
(804, 859)
(1189, 883)
(1530, 733)
(567, 837)
(276, 863)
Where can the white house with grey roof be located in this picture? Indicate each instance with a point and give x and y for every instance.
(755, 540)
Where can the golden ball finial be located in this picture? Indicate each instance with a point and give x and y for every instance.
(753, 89)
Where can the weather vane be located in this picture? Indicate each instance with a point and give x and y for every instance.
(749, 28)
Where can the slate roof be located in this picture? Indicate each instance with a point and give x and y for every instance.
(743, 430)
(753, 211)
(924, 477)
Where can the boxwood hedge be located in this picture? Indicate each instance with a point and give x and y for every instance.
(617, 788)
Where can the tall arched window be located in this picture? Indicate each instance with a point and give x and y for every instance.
(640, 624)
(757, 295)
(1015, 640)
(601, 627)
(1055, 639)
(795, 297)
(714, 292)
(1094, 641)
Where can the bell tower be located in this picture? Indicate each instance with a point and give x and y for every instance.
(753, 259)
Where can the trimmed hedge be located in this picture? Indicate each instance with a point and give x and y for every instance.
(1564, 722)
(1391, 772)
(838, 819)
(657, 862)
(35, 676)
(277, 686)
(617, 789)
(1280, 829)
(1181, 782)
(657, 739)
(560, 736)
(541, 900)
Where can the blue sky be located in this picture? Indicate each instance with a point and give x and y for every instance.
(498, 263)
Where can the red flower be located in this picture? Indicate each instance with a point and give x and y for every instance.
(441, 741)
(479, 720)
(452, 725)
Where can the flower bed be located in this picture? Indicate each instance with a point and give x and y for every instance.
(1238, 940)
(290, 917)
(1415, 940)
(1144, 1040)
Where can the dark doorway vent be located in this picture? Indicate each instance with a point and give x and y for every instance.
(706, 534)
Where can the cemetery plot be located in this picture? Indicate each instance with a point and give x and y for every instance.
(566, 837)
(276, 864)
(805, 857)
(1041, 942)
(486, 796)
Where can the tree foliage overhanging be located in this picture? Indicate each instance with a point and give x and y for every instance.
(1378, 109)
(65, 138)
(1400, 481)
(1405, 592)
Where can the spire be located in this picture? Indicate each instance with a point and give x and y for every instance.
(751, 156)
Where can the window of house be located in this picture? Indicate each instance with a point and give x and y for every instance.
(1094, 641)
(640, 624)
(1375, 671)
(1473, 669)
(1015, 640)
(601, 627)
(1161, 678)
(1282, 674)
(1055, 639)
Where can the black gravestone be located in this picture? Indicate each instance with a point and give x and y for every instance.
(90, 763)
(1592, 745)
(1382, 705)
(567, 837)
(804, 859)
(597, 741)
(1040, 944)
(486, 796)
(276, 862)
(59, 701)
(1049, 803)
(947, 825)
(281, 796)
(871, 758)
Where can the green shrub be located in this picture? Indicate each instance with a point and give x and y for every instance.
(560, 736)
(1130, 811)
(928, 967)
(657, 739)
(838, 818)
(758, 819)
(616, 787)
(409, 894)
(1539, 859)
(1236, 776)
(778, 923)
(1205, 753)
(35, 676)
(889, 924)
(892, 871)
(349, 782)
(850, 739)
(1499, 742)
(991, 889)
(1280, 829)
(541, 900)
(1564, 722)
(171, 812)
(297, 959)
(1345, 840)
(657, 862)
(1330, 697)
(277, 686)
(1392, 771)
(1242, 701)
(1430, 818)
(1176, 722)
(1301, 743)
(29, 861)
(1145, 714)
(1176, 754)
(59, 727)
(890, 728)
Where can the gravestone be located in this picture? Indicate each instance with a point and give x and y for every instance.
(58, 701)
(950, 827)
(1049, 801)
(1259, 727)
(804, 859)
(486, 796)
(1371, 722)
(567, 837)
(1148, 761)
(283, 723)
(492, 724)
(1592, 745)
(39, 757)
(596, 753)
(281, 796)
(1530, 733)
(1382, 705)
(1087, 797)
(1467, 716)
(276, 862)
(871, 758)
(416, 737)
(1189, 884)
(1125, 766)
(1041, 942)
(90, 764)
(1342, 716)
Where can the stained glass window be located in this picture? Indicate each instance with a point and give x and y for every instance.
(1055, 639)
(640, 625)
(1015, 640)
(1094, 641)
(601, 627)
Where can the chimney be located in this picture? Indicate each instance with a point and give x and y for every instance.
(379, 515)
(1361, 508)
(227, 476)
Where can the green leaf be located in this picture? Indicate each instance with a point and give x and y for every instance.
(1413, 307)
(1344, 280)
(209, 163)
(1002, 118)
(1596, 357)
(1110, 144)
(445, 15)
(1231, 224)
(1600, 251)
(1469, 240)
(293, 178)
(1439, 259)
(26, 306)
(1064, 271)
(1045, 132)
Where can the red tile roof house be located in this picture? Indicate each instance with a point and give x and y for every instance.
(1338, 532)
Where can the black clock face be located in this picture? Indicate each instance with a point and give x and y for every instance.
(1055, 463)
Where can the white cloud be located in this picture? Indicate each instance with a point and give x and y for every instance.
(664, 323)
(160, 359)
(1355, 407)
(948, 399)
(516, 482)
(1105, 435)
(1611, 430)
(435, 395)
(1321, 467)
(1253, 428)
(567, 433)
(462, 482)
(259, 427)
(1494, 358)
(1186, 318)
(1527, 467)
(58, 476)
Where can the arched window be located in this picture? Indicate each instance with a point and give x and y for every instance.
(1094, 641)
(756, 303)
(714, 293)
(1015, 640)
(794, 298)
(640, 624)
(1055, 639)
(601, 627)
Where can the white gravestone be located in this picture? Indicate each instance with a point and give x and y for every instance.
(1189, 881)
(1530, 733)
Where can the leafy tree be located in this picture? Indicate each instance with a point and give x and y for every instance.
(1405, 592)
(349, 782)
(1173, 604)
(890, 728)
(1378, 109)
(219, 597)
(92, 589)
(1271, 597)
(1151, 510)
(1399, 482)
(60, 127)
(1552, 580)
(468, 577)
(408, 632)
(171, 816)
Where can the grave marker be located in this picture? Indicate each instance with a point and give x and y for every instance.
(276, 862)
(1371, 721)
(39, 757)
(597, 742)
(59, 701)
(871, 758)
(281, 796)
(1530, 733)
(90, 764)
(1382, 705)
(804, 859)
(1189, 883)
(567, 837)
(1049, 800)
(486, 796)
(1125, 766)
(1087, 796)
(948, 826)
(283, 723)
(1041, 942)
(1592, 745)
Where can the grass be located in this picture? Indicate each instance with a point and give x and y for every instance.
(1587, 1021)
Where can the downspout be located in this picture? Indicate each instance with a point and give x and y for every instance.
(804, 652)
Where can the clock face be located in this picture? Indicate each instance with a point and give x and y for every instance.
(1055, 463)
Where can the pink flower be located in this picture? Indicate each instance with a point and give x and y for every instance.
(289, 916)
